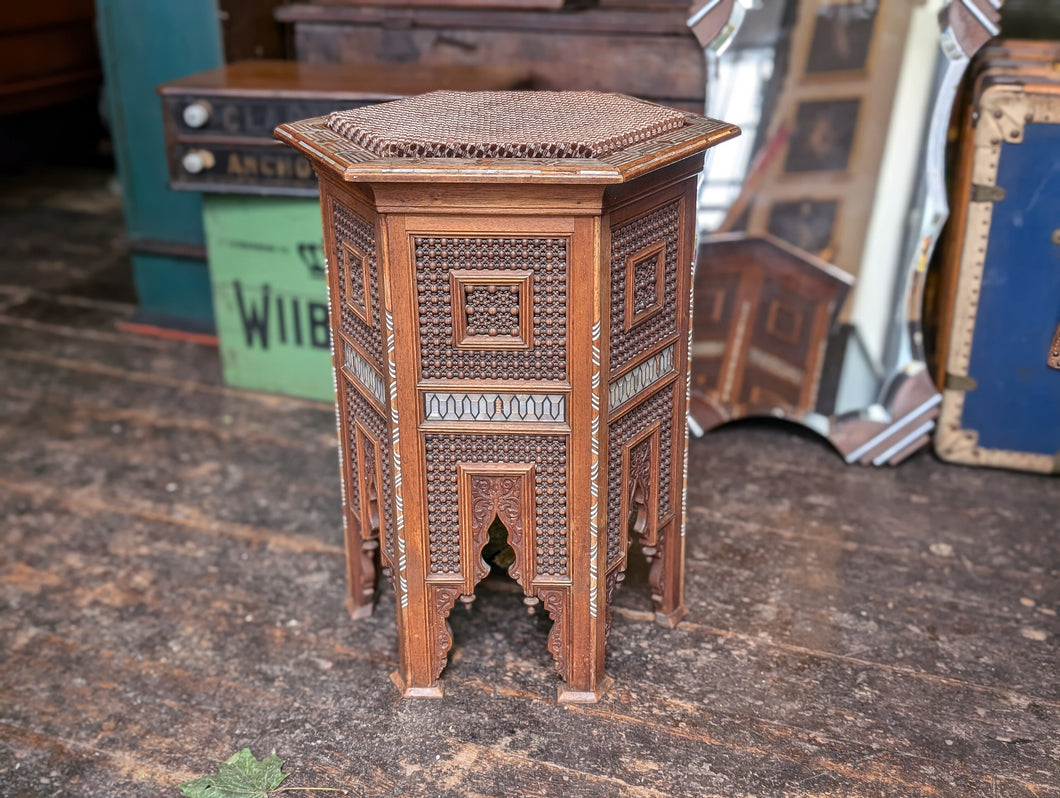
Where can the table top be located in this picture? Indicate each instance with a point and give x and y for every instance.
(633, 138)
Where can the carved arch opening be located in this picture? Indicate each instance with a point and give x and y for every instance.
(505, 493)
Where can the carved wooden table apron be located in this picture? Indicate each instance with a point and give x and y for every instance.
(510, 286)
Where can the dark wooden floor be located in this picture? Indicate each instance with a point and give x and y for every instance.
(171, 590)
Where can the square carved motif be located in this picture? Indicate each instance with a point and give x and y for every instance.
(355, 273)
(491, 309)
(784, 322)
(645, 287)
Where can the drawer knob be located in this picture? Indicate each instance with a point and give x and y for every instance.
(197, 114)
(195, 161)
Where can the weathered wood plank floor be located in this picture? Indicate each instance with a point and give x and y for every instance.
(171, 590)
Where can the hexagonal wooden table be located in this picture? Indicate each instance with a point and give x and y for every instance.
(510, 281)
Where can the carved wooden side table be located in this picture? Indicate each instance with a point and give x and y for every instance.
(510, 278)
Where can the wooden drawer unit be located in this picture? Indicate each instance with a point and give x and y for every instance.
(219, 123)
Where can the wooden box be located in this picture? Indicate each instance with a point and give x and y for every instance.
(999, 341)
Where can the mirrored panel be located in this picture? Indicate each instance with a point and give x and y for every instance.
(818, 223)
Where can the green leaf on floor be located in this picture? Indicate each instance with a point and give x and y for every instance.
(242, 776)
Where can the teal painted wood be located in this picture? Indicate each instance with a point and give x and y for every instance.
(143, 44)
(173, 292)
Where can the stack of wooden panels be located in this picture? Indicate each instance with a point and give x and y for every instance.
(644, 50)
(998, 348)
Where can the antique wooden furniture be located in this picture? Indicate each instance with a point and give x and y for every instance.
(48, 54)
(219, 122)
(764, 311)
(999, 339)
(510, 284)
(646, 52)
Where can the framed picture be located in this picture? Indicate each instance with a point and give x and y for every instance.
(806, 223)
(842, 38)
(823, 136)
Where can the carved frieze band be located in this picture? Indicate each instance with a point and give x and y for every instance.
(470, 406)
(361, 370)
(641, 377)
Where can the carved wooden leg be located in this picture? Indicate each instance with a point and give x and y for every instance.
(667, 576)
(661, 544)
(361, 571)
(580, 640)
(421, 657)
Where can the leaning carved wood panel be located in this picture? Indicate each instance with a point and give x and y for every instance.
(764, 311)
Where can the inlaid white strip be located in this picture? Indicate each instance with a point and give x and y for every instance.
(641, 377)
(471, 406)
(363, 372)
(594, 474)
(395, 455)
(775, 366)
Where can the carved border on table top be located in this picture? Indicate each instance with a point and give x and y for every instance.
(314, 138)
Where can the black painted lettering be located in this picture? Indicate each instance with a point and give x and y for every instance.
(255, 318)
(281, 316)
(312, 256)
(319, 331)
(296, 311)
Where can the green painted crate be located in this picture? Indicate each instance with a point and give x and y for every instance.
(269, 293)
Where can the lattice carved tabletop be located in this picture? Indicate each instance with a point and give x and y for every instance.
(510, 291)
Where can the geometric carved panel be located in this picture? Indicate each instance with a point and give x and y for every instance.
(783, 321)
(369, 480)
(644, 273)
(448, 454)
(445, 265)
(358, 280)
(491, 310)
(355, 272)
(624, 433)
(640, 497)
